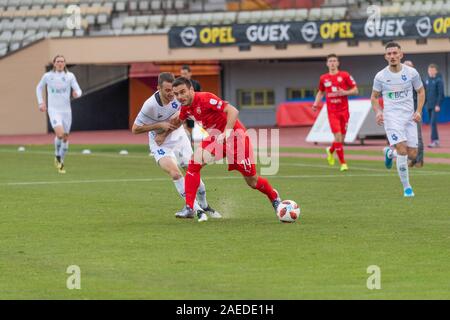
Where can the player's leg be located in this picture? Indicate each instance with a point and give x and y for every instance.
(240, 157)
(192, 179)
(184, 154)
(402, 168)
(334, 126)
(66, 124)
(262, 185)
(340, 137)
(169, 165)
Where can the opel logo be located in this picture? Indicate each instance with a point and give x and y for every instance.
(423, 26)
(309, 31)
(188, 36)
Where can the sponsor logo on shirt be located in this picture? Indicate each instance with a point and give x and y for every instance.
(327, 84)
(397, 95)
(404, 78)
(199, 110)
(213, 101)
(58, 91)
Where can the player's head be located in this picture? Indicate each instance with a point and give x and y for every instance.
(433, 70)
(393, 54)
(183, 90)
(409, 63)
(59, 63)
(332, 62)
(165, 80)
(186, 71)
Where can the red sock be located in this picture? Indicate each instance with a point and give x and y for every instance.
(340, 152)
(262, 185)
(333, 147)
(191, 183)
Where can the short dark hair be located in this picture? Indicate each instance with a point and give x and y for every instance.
(186, 67)
(434, 66)
(165, 77)
(332, 55)
(182, 80)
(392, 44)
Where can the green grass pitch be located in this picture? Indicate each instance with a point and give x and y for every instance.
(113, 216)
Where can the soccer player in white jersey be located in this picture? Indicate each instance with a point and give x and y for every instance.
(173, 150)
(396, 83)
(61, 85)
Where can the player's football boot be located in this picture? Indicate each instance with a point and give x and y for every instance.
(277, 201)
(212, 213)
(330, 157)
(61, 168)
(408, 193)
(185, 213)
(57, 163)
(201, 215)
(387, 161)
(344, 167)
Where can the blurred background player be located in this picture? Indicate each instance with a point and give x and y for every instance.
(186, 72)
(434, 90)
(227, 137)
(174, 149)
(418, 162)
(396, 83)
(61, 84)
(337, 86)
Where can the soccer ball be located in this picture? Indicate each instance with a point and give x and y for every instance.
(288, 211)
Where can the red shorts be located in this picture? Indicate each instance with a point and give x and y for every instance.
(239, 152)
(339, 121)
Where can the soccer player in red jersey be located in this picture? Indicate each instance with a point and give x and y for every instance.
(337, 85)
(227, 137)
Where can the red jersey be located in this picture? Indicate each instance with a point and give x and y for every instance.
(207, 109)
(332, 83)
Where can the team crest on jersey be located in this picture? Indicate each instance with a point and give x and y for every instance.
(327, 84)
(404, 78)
(174, 105)
(199, 110)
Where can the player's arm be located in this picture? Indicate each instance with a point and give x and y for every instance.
(143, 128)
(176, 122)
(351, 92)
(420, 102)
(374, 99)
(232, 115)
(76, 90)
(319, 96)
(40, 94)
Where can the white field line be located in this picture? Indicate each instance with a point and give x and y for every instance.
(332, 176)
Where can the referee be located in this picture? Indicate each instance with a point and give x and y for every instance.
(186, 72)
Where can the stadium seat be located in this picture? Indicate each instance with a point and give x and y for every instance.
(155, 21)
(67, 33)
(217, 18)
(255, 16)
(289, 15)
(182, 20)
(339, 13)
(229, 17)
(5, 37)
(206, 18)
(17, 36)
(121, 6)
(170, 20)
(314, 14)
(129, 22)
(446, 7)
(144, 5)
(54, 33)
(180, 4)
(155, 5)
(244, 17)
(142, 21)
(167, 5)
(195, 18)
(427, 7)
(416, 8)
(437, 7)
(301, 14)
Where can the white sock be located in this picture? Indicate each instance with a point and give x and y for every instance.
(392, 153)
(402, 169)
(179, 185)
(63, 150)
(201, 195)
(58, 142)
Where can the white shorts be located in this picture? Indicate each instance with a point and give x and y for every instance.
(180, 150)
(62, 119)
(401, 130)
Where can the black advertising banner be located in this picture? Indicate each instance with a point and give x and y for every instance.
(310, 32)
